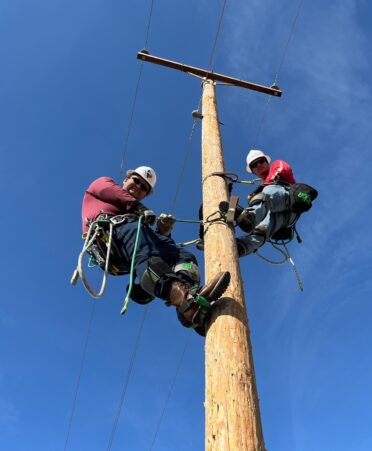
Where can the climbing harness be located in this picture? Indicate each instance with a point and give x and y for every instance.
(301, 196)
(100, 232)
(95, 229)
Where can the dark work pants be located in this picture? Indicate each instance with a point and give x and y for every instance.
(150, 244)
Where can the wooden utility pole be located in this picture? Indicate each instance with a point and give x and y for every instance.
(232, 409)
(233, 420)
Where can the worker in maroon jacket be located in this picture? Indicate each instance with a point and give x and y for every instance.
(269, 205)
(163, 269)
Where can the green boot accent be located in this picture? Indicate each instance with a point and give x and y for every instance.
(203, 301)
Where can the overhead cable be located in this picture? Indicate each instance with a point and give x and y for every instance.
(279, 68)
(127, 379)
(211, 59)
(82, 362)
(185, 160)
(136, 92)
(170, 391)
(188, 145)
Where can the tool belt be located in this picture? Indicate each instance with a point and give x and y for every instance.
(98, 250)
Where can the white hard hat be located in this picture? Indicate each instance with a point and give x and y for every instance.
(254, 155)
(145, 172)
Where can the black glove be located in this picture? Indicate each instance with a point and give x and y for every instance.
(148, 217)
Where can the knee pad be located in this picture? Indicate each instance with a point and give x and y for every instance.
(157, 268)
(188, 269)
(139, 295)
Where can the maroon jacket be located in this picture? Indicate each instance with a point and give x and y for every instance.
(104, 195)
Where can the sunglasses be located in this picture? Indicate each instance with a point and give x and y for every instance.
(143, 186)
(257, 162)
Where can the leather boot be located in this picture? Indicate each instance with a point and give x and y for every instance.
(245, 218)
(246, 221)
(193, 308)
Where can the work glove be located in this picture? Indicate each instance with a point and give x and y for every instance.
(148, 217)
(165, 224)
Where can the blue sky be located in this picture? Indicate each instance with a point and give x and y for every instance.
(67, 83)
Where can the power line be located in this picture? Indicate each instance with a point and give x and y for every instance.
(170, 391)
(82, 362)
(131, 118)
(139, 334)
(127, 379)
(211, 59)
(185, 160)
(291, 33)
(136, 92)
(149, 23)
(179, 180)
(262, 121)
(279, 68)
(188, 145)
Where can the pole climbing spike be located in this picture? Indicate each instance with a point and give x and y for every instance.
(231, 210)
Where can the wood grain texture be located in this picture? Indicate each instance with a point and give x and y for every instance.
(233, 420)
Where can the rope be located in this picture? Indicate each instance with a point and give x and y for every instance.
(94, 230)
(82, 362)
(189, 221)
(127, 379)
(79, 272)
(273, 262)
(294, 269)
(287, 257)
(131, 275)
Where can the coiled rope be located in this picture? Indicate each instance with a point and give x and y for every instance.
(287, 257)
(131, 275)
(79, 272)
